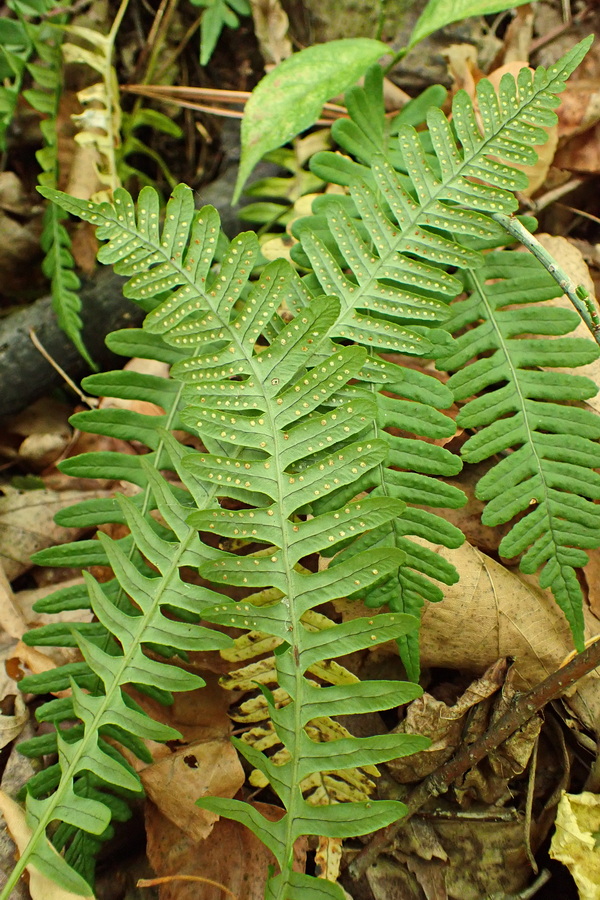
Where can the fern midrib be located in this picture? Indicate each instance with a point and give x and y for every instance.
(294, 626)
(490, 311)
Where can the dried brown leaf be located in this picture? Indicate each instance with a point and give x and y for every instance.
(231, 856)
(27, 524)
(575, 842)
(202, 769)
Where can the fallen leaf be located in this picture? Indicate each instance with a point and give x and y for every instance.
(205, 768)
(443, 724)
(518, 35)
(328, 858)
(579, 110)
(231, 856)
(11, 619)
(12, 726)
(38, 662)
(27, 524)
(463, 68)
(575, 841)
(20, 226)
(40, 887)
(490, 613)
(38, 435)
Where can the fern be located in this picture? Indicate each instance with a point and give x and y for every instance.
(218, 14)
(285, 414)
(58, 264)
(525, 414)
(440, 171)
(281, 425)
(34, 49)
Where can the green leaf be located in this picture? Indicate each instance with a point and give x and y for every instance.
(212, 25)
(290, 98)
(439, 13)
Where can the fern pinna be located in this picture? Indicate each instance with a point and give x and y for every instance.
(294, 425)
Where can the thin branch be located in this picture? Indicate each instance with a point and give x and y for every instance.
(522, 709)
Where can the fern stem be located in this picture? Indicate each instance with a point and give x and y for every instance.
(576, 293)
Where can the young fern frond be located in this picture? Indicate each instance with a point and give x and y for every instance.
(525, 414)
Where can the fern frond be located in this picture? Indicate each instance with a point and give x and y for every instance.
(279, 424)
(526, 414)
(350, 784)
(114, 658)
(410, 203)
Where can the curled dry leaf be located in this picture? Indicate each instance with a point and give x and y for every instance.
(12, 726)
(443, 724)
(493, 612)
(25, 657)
(11, 620)
(576, 840)
(271, 28)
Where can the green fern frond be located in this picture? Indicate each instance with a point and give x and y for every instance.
(347, 785)
(218, 14)
(280, 423)
(116, 657)
(408, 207)
(526, 414)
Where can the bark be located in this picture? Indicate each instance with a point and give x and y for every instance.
(24, 373)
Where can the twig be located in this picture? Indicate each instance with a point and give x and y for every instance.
(560, 29)
(577, 294)
(556, 193)
(521, 710)
(167, 879)
(92, 402)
